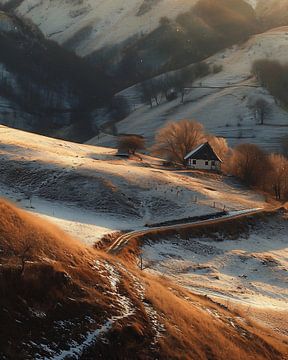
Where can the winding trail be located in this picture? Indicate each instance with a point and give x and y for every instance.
(124, 239)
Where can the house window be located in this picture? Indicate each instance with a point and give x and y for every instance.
(213, 163)
(206, 163)
(194, 162)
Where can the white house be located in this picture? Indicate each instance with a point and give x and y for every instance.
(203, 157)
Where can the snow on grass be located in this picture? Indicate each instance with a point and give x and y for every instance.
(224, 112)
(152, 314)
(76, 350)
(251, 270)
(125, 309)
(89, 192)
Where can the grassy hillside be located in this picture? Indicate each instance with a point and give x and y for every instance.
(69, 300)
(75, 183)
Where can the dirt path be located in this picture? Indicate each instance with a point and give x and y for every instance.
(122, 240)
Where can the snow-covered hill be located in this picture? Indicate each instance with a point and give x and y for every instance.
(89, 191)
(91, 24)
(88, 25)
(226, 111)
(251, 270)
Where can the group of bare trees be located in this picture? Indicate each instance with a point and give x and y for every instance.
(268, 172)
(261, 109)
(248, 162)
(171, 85)
(274, 76)
(129, 144)
(175, 140)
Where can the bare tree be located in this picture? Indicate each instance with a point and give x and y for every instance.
(219, 145)
(181, 79)
(262, 109)
(131, 143)
(249, 163)
(277, 177)
(168, 87)
(175, 140)
(151, 91)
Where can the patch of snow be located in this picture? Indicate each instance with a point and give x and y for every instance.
(251, 270)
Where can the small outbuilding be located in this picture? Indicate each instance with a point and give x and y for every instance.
(203, 157)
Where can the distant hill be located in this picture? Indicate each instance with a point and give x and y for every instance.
(90, 25)
(123, 44)
(43, 86)
(132, 39)
(222, 100)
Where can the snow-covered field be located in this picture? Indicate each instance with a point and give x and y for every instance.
(250, 271)
(88, 191)
(224, 112)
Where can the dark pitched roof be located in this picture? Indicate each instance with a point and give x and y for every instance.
(203, 152)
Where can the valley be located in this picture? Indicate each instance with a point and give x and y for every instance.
(103, 201)
(143, 179)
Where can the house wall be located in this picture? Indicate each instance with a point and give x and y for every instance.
(201, 165)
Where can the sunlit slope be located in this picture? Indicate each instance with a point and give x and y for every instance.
(137, 192)
(60, 299)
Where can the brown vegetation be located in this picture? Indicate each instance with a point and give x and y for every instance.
(256, 168)
(191, 330)
(176, 139)
(248, 163)
(130, 143)
(65, 287)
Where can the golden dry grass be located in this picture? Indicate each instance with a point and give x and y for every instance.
(193, 333)
(59, 279)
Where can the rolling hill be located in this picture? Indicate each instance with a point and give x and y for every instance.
(61, 299)
(89, 25)
(273, 12)
(127, 49)
(90, 191)
(222, 101)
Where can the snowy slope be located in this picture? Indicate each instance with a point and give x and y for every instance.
(250, 270)
(97, 23)
(91, 24)
(225, 112)
(89, 191)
